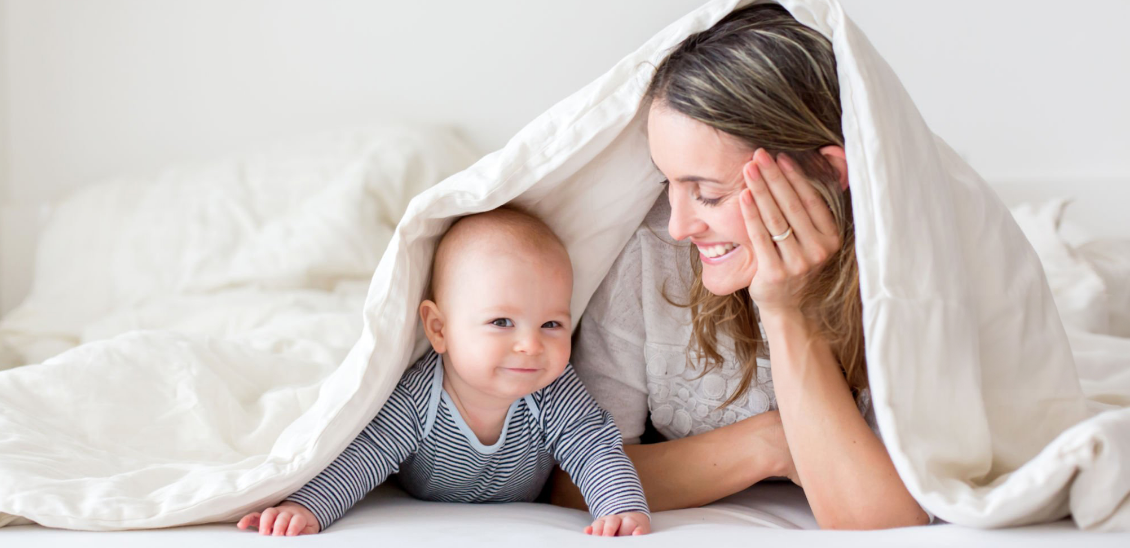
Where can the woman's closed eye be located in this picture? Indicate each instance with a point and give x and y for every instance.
(708, 202)
(502, 322)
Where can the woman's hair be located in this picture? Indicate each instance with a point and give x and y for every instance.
(764, 78)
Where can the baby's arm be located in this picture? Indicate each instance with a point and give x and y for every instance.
(586, 443)
(367, 462)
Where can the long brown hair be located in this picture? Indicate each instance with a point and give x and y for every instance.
(764, 78)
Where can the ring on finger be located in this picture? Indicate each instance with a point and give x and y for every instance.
(782, 236)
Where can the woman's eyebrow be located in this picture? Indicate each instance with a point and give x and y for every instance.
(687, 178)
(697, 179)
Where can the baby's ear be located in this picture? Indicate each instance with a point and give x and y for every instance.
(433, 325)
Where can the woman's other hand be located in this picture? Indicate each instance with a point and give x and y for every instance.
(780, 203)
(287, 519)
(620, 525)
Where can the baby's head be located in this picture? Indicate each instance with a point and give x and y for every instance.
(501, 287)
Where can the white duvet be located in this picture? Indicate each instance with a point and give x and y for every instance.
(243, 384)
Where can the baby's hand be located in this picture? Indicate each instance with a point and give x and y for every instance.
(620, 525)
(287, 519)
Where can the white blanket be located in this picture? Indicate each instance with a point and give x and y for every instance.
(974, 383)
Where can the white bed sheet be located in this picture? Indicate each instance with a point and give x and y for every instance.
(769, 514)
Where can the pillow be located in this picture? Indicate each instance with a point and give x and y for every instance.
(305, 214)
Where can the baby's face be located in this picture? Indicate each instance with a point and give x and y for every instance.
(508, 323)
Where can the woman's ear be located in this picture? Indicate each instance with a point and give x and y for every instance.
(838, 158)
(433, 325)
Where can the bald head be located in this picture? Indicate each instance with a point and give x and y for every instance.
(476, 239)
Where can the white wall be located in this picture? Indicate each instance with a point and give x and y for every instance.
(13, 274)
(5, 148)
(1027, 90)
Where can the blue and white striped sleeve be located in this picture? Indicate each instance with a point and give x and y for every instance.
(586, 443)
(368, 461)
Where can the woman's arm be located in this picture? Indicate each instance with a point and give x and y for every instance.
(697, 470)
(846, 472)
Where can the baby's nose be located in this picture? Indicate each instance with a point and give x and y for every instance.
(529, 344)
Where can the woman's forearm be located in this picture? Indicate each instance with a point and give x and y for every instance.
(847, 474)
(695, 470)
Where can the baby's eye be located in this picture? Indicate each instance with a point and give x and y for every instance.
(551, 324)
(502, 322)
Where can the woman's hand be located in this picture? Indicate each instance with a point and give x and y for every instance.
(287, 519)
(780, 202)
(620, 525)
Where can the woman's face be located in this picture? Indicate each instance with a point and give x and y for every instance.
(704, 169)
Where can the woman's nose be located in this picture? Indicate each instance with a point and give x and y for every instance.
(529, 343)
(684, 223)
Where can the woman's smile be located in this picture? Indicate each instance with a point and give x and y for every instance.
(715, 252)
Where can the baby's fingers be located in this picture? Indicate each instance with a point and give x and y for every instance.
(281, 523)
(297, 525)
(611, 526)
(267, 521)
(596, 527)
(250, 520)
(635, 524)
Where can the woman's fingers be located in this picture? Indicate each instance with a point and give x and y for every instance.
(768, 260)
(779, 176)
(818, 211)
(756, 179)
(771, 214)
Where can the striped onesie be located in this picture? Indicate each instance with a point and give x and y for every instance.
(420, 435)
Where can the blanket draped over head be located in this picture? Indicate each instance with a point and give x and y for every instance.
(975, 387)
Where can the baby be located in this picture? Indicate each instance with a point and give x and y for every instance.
(486, 414)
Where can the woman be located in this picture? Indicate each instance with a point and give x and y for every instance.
(744, 123)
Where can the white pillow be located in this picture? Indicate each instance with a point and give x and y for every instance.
(300, 215)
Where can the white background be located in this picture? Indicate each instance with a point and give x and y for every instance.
(1029, 91)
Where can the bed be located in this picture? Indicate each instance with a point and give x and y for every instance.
(773, 514)
(277, 290)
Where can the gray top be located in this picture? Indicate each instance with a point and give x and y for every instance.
(631, 347)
